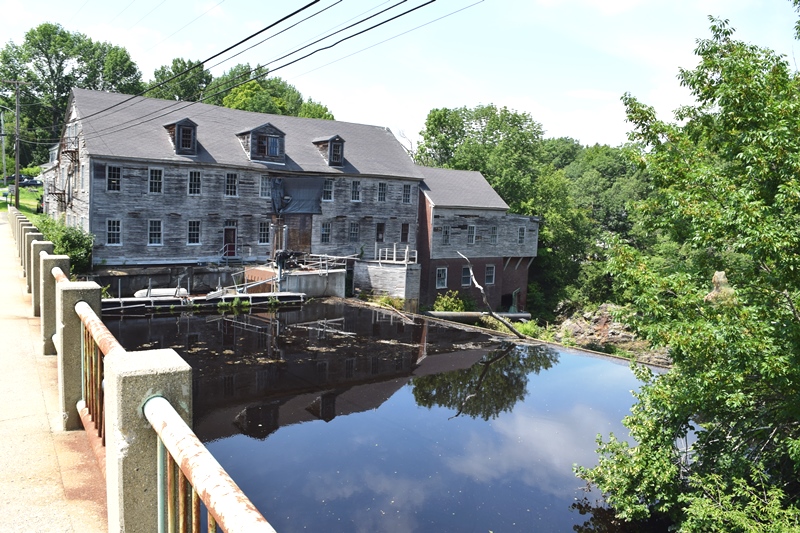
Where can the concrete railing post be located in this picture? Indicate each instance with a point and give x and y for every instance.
(19, 218)
(69, 345)
(25, 228)
(131, 379)
(28, 265)
(48, 299)
(37, 249)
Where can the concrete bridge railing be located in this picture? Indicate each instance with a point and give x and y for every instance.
(135, 406)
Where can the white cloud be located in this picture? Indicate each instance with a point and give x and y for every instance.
(540, 450)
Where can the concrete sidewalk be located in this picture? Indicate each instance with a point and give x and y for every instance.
(49, 478)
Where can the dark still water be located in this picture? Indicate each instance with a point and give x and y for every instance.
(341, 418)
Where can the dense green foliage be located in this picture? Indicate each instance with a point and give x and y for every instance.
(579, 193)
(716, 439)
(51, 61)
(68, 240)
(454, 302)
(249, 89)
(184, 80)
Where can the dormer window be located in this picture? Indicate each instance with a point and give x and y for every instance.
(337, 154)
(186, 136)
(331, 149)
(265, 143)
(183, 135)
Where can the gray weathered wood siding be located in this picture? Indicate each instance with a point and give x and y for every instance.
(508, 226)
(134, 205)
(368, 213)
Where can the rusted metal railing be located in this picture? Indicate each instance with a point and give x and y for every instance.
(185, 465)
(188, 473)
(98, 342)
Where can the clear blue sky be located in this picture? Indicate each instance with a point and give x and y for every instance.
(566, 62)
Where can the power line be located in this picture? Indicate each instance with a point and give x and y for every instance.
(184, 26)
(390, 38)
(121, 12)
(275, 35)
(162, 113)
(207, 60)
(147, 14)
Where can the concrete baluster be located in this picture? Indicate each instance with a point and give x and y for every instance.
(131, 378)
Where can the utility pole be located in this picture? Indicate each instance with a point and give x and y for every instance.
(16, 153)
(3, 136)
(16, 84)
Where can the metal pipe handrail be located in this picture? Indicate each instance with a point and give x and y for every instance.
(59, 275)
(225, 501)
(106, 341)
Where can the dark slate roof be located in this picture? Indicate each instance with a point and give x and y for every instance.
(135, 130)
(459, 188)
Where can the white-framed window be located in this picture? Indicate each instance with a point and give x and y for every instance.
(441, 278)
(265, 189)
(269, 146)
(186, 138)
(521, 235)
(114, 232)
(407, 193)
(193, 236)
(380, 231)
(404, 229)
(465, 277)
(493, 235)
(489, 279)
(354, 231)
(445, 235)
(113, 178)
(327, 190)
(355, 191)
(154, 235)
(83, 177)
(382, 191)
(263, 233)
(337, 153)
(195, 183)
(470, 234)
(231, 184)
(156, 181)
(325, 233)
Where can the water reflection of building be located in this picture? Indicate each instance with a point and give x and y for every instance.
(256, 372)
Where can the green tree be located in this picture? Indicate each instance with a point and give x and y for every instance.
(716, 440)
(189, 84)
(221, 86)
(51, 61)
(506, 147)
(312, 109)
(250, 90)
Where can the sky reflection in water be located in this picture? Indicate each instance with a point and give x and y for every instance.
(354, 448)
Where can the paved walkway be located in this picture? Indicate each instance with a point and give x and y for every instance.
(49, 479)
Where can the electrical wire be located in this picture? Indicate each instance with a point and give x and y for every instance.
(185, 25)
(202, 62)
(390, 38)
(169, 110)
(121, 12)
(147, 14)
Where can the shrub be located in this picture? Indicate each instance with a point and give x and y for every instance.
(71, 241)
(453, 302)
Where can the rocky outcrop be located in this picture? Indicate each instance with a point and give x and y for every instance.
(600, 332)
